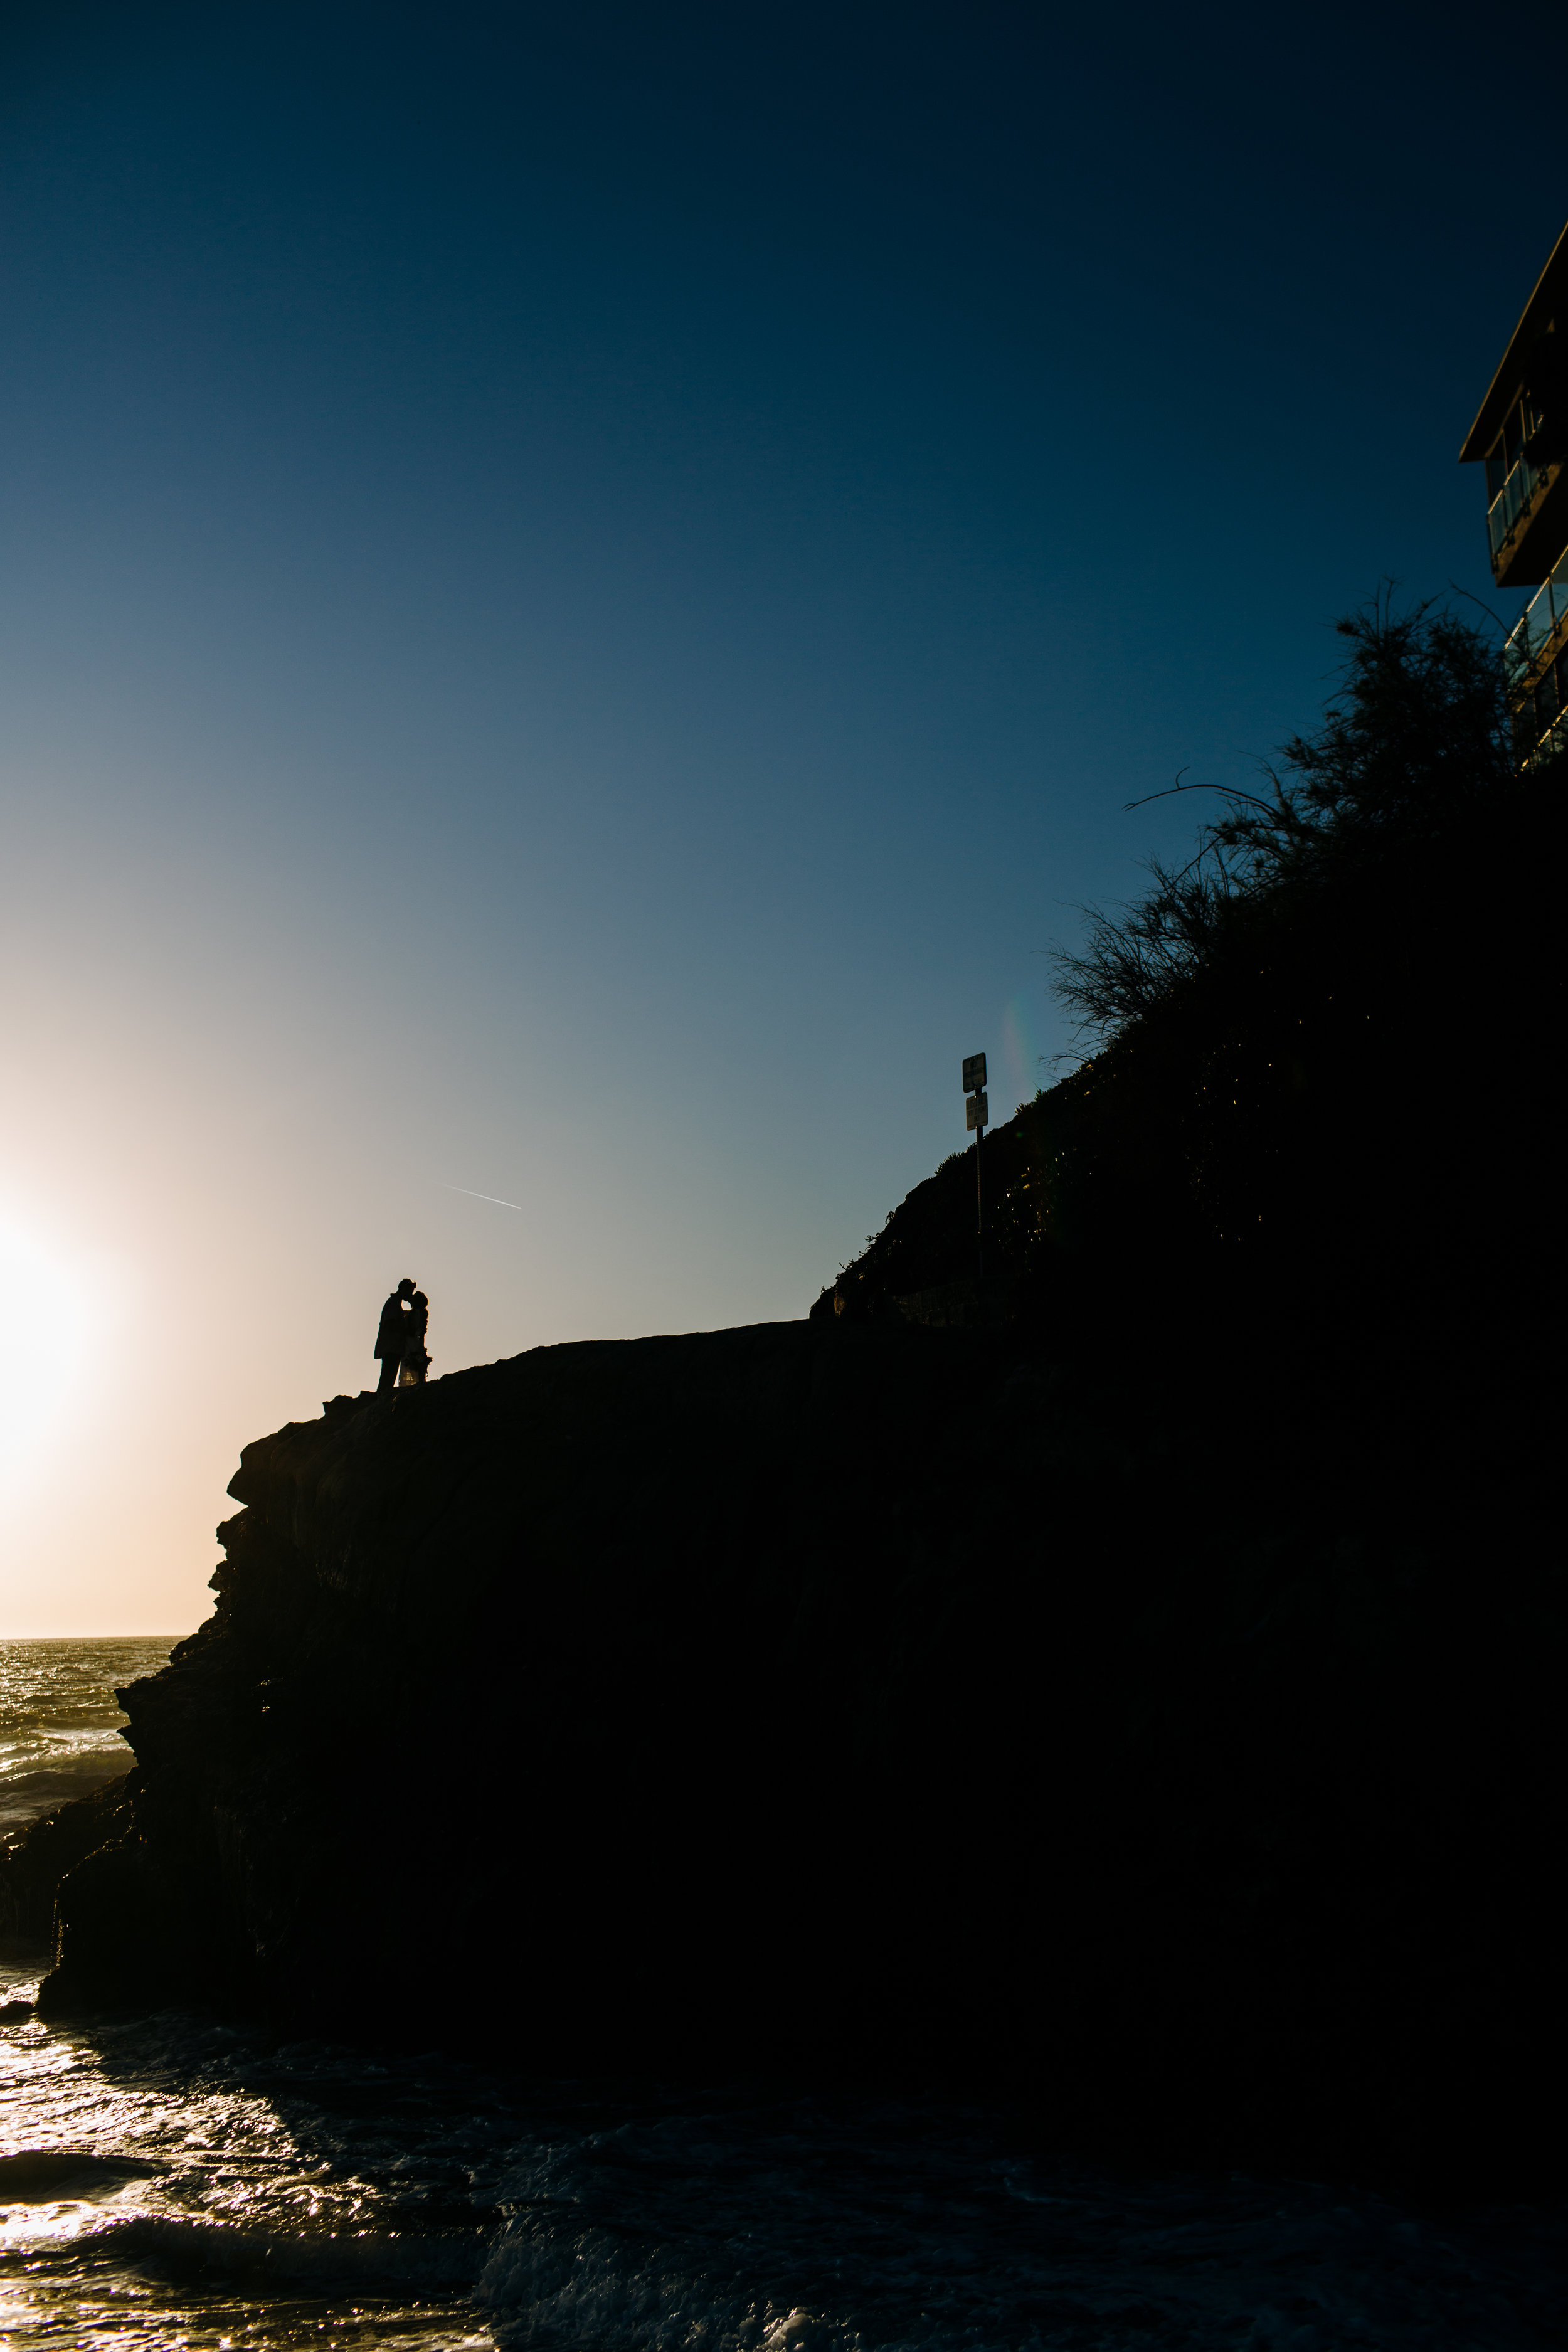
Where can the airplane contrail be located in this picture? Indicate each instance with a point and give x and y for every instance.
(484, 1196)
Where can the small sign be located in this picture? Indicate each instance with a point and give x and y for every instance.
(976, 1110)
(974, 1075)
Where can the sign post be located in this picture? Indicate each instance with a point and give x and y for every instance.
(976, 1111)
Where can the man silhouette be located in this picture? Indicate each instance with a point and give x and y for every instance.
(389, 1334)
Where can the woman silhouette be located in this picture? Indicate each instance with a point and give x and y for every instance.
(416, 1356)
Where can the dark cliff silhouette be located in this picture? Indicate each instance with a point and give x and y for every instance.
(1147, 1701)
(1319, 1093)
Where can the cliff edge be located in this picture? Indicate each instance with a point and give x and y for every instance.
(889, 1702)
(1133, 1683)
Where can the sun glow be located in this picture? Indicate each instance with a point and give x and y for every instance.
(45, 1317)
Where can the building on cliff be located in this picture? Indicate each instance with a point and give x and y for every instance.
(1521, 435)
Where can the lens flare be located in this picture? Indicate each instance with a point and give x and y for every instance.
(45, 1316)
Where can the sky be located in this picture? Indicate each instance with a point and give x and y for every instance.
(583, 591)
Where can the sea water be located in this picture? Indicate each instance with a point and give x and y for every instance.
(59, 1726)
(171, 2180)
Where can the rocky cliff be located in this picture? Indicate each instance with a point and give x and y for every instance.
(1134, 1683)
(892, 1702)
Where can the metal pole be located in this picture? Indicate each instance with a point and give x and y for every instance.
(979, 1208)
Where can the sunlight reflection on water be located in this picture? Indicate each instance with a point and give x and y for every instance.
(227, 2229)
(59, 1720)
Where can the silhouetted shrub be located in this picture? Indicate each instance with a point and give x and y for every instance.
(1416, 743)
(1322, 1043)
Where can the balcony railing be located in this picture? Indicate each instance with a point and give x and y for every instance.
(1547, 745)
(1518, 488)
(1546, 613)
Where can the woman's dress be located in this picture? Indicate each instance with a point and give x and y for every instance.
(415, 1361)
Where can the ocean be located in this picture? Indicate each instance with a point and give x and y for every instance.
(172, 2180)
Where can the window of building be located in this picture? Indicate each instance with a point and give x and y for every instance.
(1510, 475)
(1523, 420)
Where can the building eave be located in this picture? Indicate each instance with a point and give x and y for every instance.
(1551, 292)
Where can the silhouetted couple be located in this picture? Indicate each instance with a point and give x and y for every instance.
(400, 1338)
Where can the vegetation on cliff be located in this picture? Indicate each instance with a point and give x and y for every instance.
(1321, 1045)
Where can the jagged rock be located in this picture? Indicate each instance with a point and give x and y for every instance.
(36, 1858)
(114, 1945)
(875, 1699)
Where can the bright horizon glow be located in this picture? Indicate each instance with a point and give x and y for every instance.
(48, 1322)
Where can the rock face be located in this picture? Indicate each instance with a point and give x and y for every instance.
(887, 1702)
(1133, 1681)
(34, 1860)
(529, 1663)
(891, 1702)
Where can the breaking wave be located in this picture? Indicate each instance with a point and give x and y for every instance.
(228, 2254)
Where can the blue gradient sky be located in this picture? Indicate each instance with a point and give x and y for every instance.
(583, 590)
